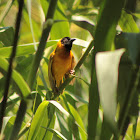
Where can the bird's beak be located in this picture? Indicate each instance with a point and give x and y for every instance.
(72, 39)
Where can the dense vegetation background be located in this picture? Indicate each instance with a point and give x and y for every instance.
(104, 101)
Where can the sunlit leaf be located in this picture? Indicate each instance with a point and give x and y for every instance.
(40, 119)
(26, 49)
(136, 15)
(84, 23)
(5, 121)
(109, 14)
(57, 105)
(22, 49)
(8, 127)
(127, 23)
(57, 133)
(49, 135)
(106, 27)
(107, 64)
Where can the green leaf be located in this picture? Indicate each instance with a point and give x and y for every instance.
(40, 120)
(136, 15)
(133, 41)
(5, 121)
(104, 38)
(107, 64)
(57, 105)
(23, 49)
(17, 78)
(73, 113)
(23, 65)
(26, 49)
(79, 122)
(9, 127)
(57, 133)
(63, 125)
(127, 23)
(84, 23)
(96, 2)
(60, 29)
(6, 10)
(106, 27)
(6, 35)
(49, 135)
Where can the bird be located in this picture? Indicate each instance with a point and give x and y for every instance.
(61, 63)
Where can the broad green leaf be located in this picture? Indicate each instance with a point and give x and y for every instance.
(23, 49)
(107, 64)
(85, 11)
(104, 37)
(136, 15)
(57, 105)
(49, 135)
(79, 122)
(133, 41)
(23, 65)
(84, 23)
(33, 26)
(60, 29)
(26, 49)
(106, 24)
(44, 5)
(80, 42)
(40, 120)
(75, 98)
(6, 10)
(9, 127)
(127, 23)
(5, 121)
(57, 133)
(17, 78)
(74, 114)
(6, 35)
(134, 128)
(63, 125)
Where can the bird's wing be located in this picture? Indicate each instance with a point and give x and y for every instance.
(50, 75)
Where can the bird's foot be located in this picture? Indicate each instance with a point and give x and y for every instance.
(72, 72)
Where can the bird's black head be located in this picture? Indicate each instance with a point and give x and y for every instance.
(67, 42)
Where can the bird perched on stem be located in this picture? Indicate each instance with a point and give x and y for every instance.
(61, 63)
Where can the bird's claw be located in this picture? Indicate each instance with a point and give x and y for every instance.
(72, 72)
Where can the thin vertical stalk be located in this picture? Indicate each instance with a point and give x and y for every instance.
(19, 119)
(93, 102)
(41, 47)
(9, 73)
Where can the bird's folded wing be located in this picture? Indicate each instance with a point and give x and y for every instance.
(50, 75)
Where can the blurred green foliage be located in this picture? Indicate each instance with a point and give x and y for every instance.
(104, 101)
